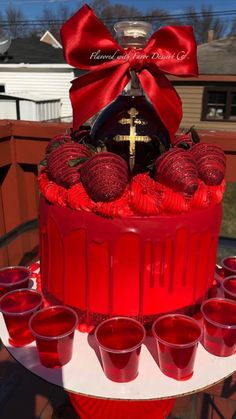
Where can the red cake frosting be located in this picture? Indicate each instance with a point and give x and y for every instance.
(142, 197)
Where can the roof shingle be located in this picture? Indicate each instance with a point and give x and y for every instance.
(218, 57)
(32, 51)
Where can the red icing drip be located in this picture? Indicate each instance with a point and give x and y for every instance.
(108, 260)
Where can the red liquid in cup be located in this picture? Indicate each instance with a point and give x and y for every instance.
(120, 342)
(54, 328)
(177, 340)
(229, 287)
(17, 308)
(229, 266)
(219, 337)
(12, 278)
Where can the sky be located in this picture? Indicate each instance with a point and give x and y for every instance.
(33, 8)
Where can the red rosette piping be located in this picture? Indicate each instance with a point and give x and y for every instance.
(54, 193)
(201, 198)
(217, 192)
(78, 198)
(117, 208)
(174, 202)
(145, 199)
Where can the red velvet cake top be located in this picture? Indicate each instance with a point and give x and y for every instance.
(141, 196)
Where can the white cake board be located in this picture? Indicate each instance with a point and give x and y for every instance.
(84, 375)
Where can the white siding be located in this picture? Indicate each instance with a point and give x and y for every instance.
(49, 81)
(8, 109)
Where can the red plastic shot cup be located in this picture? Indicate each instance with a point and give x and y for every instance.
(13, 278)
(229, 287)
(177, 337)
(229, 266)
(53, 328)
(120, 340)
(17, 307)
(219, 326)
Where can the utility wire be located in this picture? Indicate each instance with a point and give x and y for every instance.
(223, 13)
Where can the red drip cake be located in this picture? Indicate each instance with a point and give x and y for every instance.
(145, 248)
(129, 213)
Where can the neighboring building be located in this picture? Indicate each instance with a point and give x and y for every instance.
(30, 107)
(52, 38)
(33, 66)
(209, 101)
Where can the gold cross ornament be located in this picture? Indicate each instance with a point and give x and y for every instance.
(132, 137)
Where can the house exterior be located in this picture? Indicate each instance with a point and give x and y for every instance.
(209, 101)
(30, 107)
(52, 38)
(33, 66)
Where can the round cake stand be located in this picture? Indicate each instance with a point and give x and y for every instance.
(84, 375)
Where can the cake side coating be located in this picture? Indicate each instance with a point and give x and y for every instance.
(136, 266)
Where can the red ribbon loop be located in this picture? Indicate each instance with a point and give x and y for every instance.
(90, 46)
(136, 60)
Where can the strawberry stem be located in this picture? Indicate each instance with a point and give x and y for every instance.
(76, 162)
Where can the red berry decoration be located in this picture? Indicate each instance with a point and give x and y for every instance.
(211, 163)
(57, 141)
(104, 176)
(177, 169)
(58, 162)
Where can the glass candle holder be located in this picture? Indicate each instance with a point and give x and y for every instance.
(219, 326)
(229, 287)
(119, 340)
(53, 329)
(13, 277)
(17, 307)
(229, 265)
(177, 337)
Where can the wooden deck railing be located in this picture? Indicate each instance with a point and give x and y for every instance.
(22, 147)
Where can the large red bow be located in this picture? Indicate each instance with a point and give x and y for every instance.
(89, 45)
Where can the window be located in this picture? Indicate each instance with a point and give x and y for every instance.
(219, 104)
(2, 88)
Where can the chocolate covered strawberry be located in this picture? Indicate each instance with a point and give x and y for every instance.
(211, 163)
(177, 169)
(104, 176)
(57, 141)
(59, 162)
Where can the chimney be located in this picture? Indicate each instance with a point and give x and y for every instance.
(210, 35)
